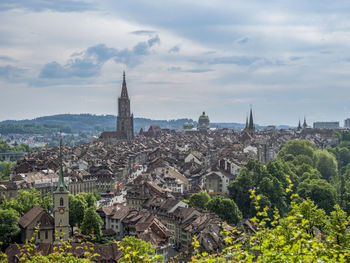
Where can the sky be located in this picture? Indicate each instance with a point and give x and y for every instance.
(288, 59)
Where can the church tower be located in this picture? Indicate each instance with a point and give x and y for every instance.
(61, 206)
(251, 126)
(125, 121)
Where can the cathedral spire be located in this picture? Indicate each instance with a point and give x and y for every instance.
(61, 187)
(246, 123)
(124, 88)
(251, 122)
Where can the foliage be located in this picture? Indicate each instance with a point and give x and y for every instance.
(5, 170)
(199, 199)
(225, 208)
(9, 226)
(297, 147)
(92, 223)
(320, 191)
(295, 238)
(268, 181)
(90, 198)
(26, 200)
(326, 164)
(5, 148)
(77, 207)
(136, 250)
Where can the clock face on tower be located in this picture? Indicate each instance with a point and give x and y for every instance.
(61, 211)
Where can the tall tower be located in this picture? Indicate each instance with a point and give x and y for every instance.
(125, 121)
(61, 206)
(251, 126)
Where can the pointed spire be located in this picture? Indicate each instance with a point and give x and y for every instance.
(251, 122)
(61, 187)
(299, 125)
(304, 124)
(246, 123)
(124, 88)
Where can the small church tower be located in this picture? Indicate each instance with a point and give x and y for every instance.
(61, 206)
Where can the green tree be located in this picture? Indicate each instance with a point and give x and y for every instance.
(26, 200)
(297, 147)
(135, 250)
(319, 191)
(92, 223)
(90, 198)
(199, 199)
(326, 164)
(343, 156)
(9, 226)
(5, 170)
(267, 181)
(225, 208)
(77, 207)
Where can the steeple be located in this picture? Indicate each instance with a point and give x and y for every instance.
(246, 123)
(299, 125)
(251, 122)
(304, 124)
(61, 187)
(124, 88)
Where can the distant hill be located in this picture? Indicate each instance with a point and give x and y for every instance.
(73, 123)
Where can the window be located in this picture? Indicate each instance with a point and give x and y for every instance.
(61, 201)
(38, 234)
(46, 234)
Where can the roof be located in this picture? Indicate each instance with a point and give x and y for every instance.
(30, 216)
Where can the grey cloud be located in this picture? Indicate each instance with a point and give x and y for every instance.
(198, 70)
(89, 62)
(243, 40)
(10, 72)
(238, 60)
(7, 59)
(174, 49)
(42, 5)
(153, 41)
(144, 32)
(178, 69)
(295, 58)
(174, 69)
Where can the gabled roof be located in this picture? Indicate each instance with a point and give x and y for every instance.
(30, 216)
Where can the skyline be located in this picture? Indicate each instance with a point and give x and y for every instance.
(181, 58)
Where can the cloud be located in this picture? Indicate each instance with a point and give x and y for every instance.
(7, 59)
(144, 32)
(153, 41)
(42, 5)
(238, 60)
(89, 62)
(243, 40)
(178, 69)
(174, 49)
(10, 72)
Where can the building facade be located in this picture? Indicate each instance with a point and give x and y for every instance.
(332, 125)
(347, 123)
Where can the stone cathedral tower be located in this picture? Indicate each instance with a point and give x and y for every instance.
(61, 206)
(125, 121)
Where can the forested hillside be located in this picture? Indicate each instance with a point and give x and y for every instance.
(73, 123)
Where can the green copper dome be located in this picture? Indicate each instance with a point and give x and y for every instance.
(203, 117)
